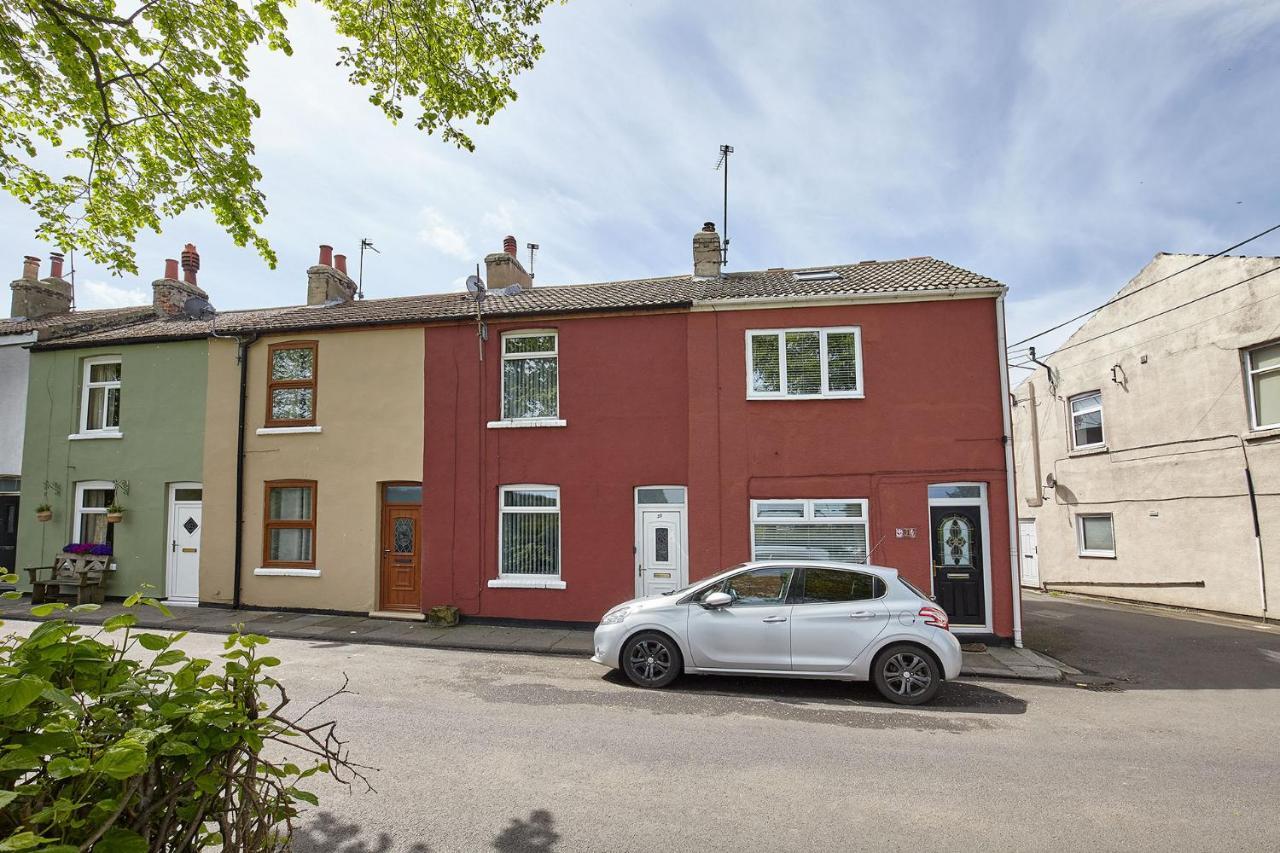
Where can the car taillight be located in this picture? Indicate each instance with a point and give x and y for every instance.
(935, 616)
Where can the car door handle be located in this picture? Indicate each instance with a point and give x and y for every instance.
(776, 619)
(861, 614)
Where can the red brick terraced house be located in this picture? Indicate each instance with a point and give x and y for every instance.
(585, 444)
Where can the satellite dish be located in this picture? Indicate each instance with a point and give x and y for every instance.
(509, 290)
(474, 284)
(1050, 482)
(197, 308)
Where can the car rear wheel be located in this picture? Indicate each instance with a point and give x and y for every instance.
(907, 675)
(651, 659)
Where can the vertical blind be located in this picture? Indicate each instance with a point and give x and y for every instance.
(530, 377)
(804, 362)
(530, 537)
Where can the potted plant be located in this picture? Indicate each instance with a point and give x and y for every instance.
(115, 514)
(44, 513)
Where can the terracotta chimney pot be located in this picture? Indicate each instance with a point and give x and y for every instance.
(190, 263)
(340, 261)
(55, 265)
(509, 245)
(326, 256)
(31, 267)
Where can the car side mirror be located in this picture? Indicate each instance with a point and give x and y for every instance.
(716, 600)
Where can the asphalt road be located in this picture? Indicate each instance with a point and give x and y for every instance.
(481, 751)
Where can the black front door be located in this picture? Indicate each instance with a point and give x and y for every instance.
(957, 563)
(9, 532)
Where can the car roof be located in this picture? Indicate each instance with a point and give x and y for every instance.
(882, 571)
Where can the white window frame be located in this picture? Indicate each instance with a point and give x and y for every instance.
(547, 421)
(527, 581)
(810, 518)
(1094, 552)
(1071, 419)
(859, 390)
(80, 510)
(86, 386)
(1250, 372)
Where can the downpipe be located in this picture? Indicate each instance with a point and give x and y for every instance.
(1011, 497)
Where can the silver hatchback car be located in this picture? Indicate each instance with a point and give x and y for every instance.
(791, 618)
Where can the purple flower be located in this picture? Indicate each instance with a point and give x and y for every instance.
(93, 549)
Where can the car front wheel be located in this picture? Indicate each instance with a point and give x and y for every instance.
(651, 660)
(907, 675)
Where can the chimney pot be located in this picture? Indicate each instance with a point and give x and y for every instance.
(55, 265)
(509, 245)
(31, 267)
(326, 255)
(340, 261)
(709, 227)
(171, 268)
(190, 263)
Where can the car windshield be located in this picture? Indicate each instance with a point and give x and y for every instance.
(691, 587)
(909, 586)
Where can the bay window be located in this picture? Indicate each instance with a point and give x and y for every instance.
(818, 529)
(804, 363)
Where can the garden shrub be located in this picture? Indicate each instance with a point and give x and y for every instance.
(106, 748)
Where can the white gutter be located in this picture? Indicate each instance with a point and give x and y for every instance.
(1011, 498)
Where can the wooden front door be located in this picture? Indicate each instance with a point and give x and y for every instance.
(401, 557)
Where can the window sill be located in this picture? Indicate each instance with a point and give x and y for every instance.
(286, 573)
(527, 422)
(532, 582)
(288, 430)
(1088, 451)
(1262, 434)
(852, 396)
(87, 436)
(1097, 555)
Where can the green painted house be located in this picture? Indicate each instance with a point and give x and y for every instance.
(120, 426)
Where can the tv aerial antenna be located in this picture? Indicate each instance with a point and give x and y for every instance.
(533, 250)
(725, 151)
(365, 243)
(476, 285)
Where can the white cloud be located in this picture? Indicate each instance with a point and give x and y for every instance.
(443, 236)
(100, 294)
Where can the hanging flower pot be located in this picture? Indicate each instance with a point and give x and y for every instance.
(115, 514)
(44, 513)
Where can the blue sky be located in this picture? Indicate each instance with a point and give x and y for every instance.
(1055, 147)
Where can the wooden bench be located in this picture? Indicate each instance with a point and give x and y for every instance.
(71, 578)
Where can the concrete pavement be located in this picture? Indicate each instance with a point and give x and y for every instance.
(576, 641)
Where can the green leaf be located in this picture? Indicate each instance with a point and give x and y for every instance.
(123, 759)
(24, 840)
(121, 620)
(42, 610)
(7, 797)
(133, 599)
(177, 747)
(64, 768)
(305, 796)
(18, 693)
(87, 607)
(11, 595)
(169, 657)
(269, 661)
(9, 578)
(119, 840)
(153, 642)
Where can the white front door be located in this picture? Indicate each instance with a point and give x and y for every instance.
(660, 551)
(1029, 551)
(182, 576)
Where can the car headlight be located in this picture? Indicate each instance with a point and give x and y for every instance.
(613, 617)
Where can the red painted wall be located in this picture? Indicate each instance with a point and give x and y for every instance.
(640, 393)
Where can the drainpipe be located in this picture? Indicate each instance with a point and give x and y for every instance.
(242, 358)
(1011, 496)
(1257, 529)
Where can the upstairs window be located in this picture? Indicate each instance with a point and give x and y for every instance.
(1264, 385)
(804, 363)
(100, 396)
(291, 384)
(530, 376)
(809, 530)
(1086, 421)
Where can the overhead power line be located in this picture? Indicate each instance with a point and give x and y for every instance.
(1136, 290)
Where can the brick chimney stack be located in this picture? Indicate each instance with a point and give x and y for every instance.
(327, 284)
(502, 269)
(35, 299)
(706, 252)
(168, 294)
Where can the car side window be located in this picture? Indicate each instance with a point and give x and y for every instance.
(828, 586)
(759, 587)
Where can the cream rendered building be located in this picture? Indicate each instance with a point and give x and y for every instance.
(1148, 453)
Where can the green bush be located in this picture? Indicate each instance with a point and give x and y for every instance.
(107, 748)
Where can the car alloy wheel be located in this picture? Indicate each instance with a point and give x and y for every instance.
(651, 660)
(907, 675)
